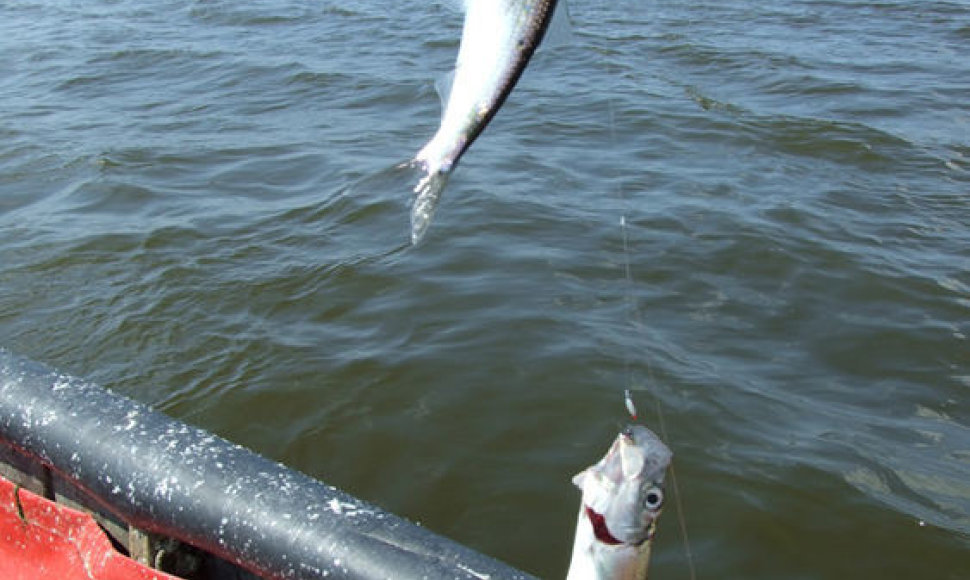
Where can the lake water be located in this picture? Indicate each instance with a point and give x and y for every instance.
(196, 211)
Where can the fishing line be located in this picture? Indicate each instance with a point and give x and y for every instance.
(637, 322)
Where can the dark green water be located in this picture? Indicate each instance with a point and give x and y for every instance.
(194, 211)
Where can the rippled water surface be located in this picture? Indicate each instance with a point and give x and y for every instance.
(196, 210)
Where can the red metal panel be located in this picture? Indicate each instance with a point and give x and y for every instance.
(40, 539)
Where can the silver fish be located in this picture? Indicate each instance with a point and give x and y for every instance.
(497, 41)
(622, 498)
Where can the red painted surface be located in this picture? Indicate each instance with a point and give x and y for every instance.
(40, 539)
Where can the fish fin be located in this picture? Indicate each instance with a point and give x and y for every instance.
(443, 87)
(427, 194)
(560, 30)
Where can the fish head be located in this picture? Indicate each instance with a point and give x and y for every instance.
(623, 493)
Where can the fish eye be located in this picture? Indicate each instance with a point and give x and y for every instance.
(654, 498)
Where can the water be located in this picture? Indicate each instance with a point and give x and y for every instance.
(196, 211)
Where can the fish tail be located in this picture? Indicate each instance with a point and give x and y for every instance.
(427, 194)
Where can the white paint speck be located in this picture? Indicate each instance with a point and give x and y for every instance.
(474, 573)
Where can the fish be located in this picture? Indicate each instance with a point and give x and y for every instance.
(498, 39)
(622, 497)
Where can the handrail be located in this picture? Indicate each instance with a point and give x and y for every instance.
(169, 478)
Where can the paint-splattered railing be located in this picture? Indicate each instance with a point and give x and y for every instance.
(165, 478)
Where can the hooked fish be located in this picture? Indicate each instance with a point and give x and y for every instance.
(622, 498)
(498, 39)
